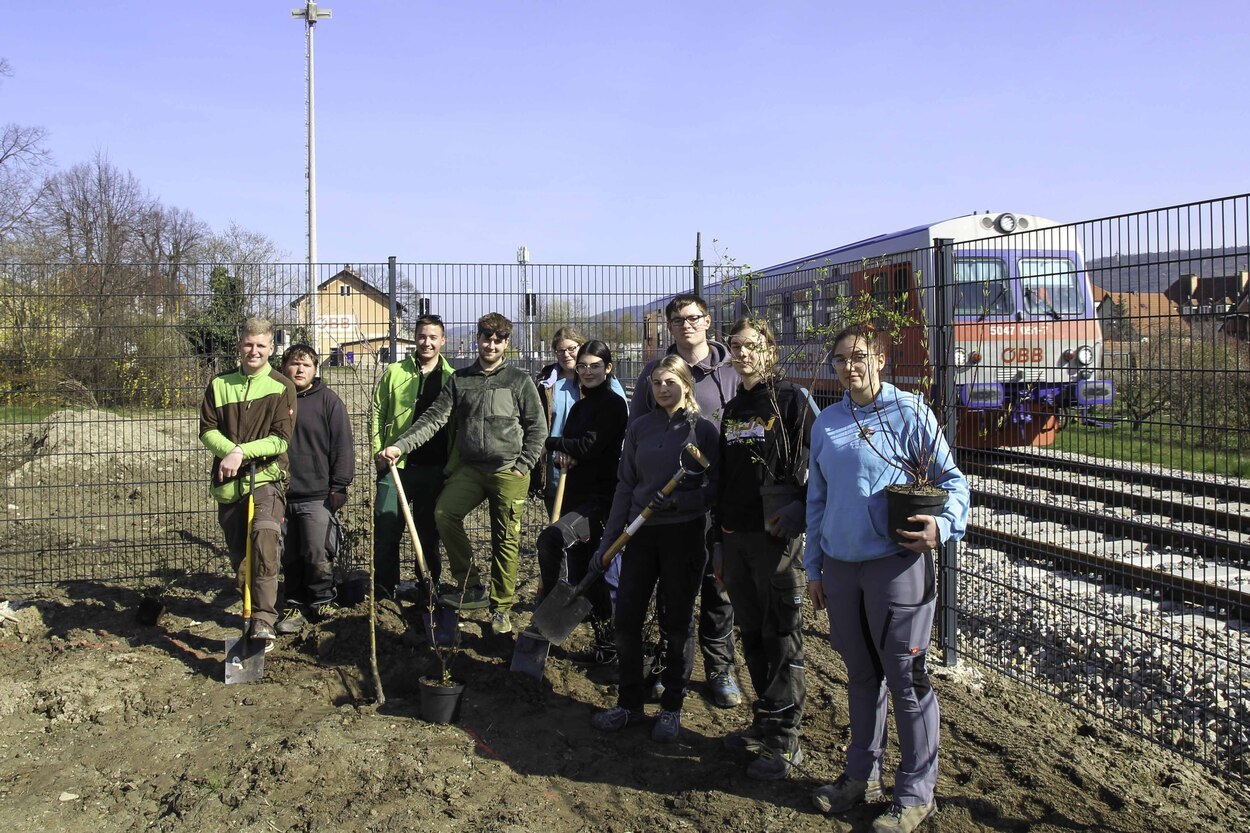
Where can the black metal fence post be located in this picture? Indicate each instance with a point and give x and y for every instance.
(942, 362)
(392, 324)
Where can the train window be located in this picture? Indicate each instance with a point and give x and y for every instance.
(773, 314)
(802, 313)
(837, 297)
(1050, 286)
(981, 287)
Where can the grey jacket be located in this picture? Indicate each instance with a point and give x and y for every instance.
(715, 383)
(499, 422)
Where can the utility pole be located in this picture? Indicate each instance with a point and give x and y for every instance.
(527, 310)
(310, 14)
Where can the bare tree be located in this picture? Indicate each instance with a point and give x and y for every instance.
(22, 161)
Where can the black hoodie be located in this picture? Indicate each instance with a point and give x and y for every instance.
(322, 455)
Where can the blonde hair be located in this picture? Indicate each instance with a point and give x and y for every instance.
(256, 327)
(676, 365)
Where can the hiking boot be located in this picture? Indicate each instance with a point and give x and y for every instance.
(500, 624)
(474, 598)
(845, 793)
(667, 727)
(292, 620)
(615, 719)
(772, 765)
(603, 651)
(725, 691)
(656, 690)
(900, 819)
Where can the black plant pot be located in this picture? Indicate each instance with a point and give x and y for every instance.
(903, 501)
(151, 611)
(440, 702)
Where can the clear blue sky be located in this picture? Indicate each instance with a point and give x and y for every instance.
(611, 133)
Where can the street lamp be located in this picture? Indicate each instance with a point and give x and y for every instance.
(310, 14)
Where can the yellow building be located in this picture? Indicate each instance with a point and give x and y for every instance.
(352, 321)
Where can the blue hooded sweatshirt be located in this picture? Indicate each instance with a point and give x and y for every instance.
(846, 504)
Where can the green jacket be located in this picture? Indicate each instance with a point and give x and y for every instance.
(498, 419)
(400, 386)
(256, 413)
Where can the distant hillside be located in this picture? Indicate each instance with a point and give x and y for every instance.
(1156, 271)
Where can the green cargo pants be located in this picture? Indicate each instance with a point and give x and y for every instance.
(505, 493)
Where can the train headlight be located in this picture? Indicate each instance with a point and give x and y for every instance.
(1085, 355)
(1006, 223)
(961, 357)
(975, 358)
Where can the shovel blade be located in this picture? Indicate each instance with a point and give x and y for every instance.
(561, 612)
(245, 660)
(530, 655)
(442, 626)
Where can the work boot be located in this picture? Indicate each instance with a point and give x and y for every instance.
(292, 620)
(845, 793)
(744, 740)
(900, 819)
(773, 765)
(603, 651)
(325, 611)
(264, 632)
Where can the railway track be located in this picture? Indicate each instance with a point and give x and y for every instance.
(1087, 512)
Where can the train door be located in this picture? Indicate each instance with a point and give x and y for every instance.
(892, 289)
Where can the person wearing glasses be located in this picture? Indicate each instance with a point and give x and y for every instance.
(764, 440)
(499, 431)
(406, 391)
(715, 383)
(589, 449)
(880, 595)
(666, 555)
(559, 388)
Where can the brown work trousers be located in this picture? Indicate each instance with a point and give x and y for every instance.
(266, 560)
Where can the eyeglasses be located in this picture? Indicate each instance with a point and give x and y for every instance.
(690, 320)
(568, 351)
(748, 346)
(856, 360)
(496, 336)
(585, 368)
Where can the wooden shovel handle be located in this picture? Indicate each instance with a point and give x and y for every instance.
(555, 507)
(412, 527)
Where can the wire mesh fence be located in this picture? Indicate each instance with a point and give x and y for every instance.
(1094, 376)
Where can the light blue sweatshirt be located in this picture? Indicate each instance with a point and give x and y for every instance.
(846, 509)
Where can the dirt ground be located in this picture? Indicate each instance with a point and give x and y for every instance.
(107, 725)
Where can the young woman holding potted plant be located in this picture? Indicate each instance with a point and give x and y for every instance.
(880, 594)
(764, 450)
(668, 550)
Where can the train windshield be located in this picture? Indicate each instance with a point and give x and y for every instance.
(1050, 286)
(981, 287)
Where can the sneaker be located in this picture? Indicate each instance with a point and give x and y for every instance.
(500, 624)
(292, 620)
(845, 793)
(615, 719)
(474, 598)
(656, 690)
(725, 691)
(900, 819)
(772, 765)
(265, 632)
(325, 611)
(667, 727)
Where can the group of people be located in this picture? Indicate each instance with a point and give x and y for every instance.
(729, 536)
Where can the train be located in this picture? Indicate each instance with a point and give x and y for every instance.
(1025, 346)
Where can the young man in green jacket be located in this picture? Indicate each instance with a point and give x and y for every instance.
(406, 391)
(246, 420)
(499, 434)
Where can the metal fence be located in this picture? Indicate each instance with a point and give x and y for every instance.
(1093, 374)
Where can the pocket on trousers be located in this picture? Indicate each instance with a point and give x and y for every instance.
(789, 589)
(907, 630)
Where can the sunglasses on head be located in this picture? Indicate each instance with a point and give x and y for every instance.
(494, 335)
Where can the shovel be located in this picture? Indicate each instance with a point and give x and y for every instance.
(245, 657)
(442, 625)
(530, 654)
(566, 606)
